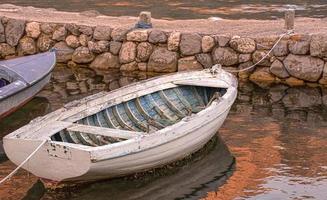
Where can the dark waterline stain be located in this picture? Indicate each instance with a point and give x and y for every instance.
(278, 137)
(186, 9)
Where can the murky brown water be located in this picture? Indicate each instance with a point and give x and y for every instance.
(187, 9)
(278, 137)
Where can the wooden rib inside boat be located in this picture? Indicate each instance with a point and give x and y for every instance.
(146, 114)
(135, 128)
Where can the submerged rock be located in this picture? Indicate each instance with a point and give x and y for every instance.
(64, 53)
(262, 77)
(302, 97)
(105, 61)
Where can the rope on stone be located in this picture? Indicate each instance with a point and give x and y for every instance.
(264, 57)
(23, 163)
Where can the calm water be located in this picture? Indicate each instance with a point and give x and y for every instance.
(187, 9)
(277, 136)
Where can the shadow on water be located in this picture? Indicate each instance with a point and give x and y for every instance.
(190, 178)
(277, 135)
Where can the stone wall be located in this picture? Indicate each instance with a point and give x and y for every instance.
(297, 60)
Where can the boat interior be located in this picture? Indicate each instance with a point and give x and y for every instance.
(142, 115)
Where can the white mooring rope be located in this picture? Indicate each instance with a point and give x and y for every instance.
(23, 163)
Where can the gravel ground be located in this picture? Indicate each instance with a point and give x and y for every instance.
(251, 28)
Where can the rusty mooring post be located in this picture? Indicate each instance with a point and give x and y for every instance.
(144, 20)
(289, 19)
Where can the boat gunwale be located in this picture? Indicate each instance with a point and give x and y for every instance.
(77, 107)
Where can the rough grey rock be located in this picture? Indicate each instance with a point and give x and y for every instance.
(265, 43)
(303, 97)
(258, 55)
(138, 35)
(277, 68)
(72, 41)
(59, 34)
(82, 55)
(299, 44)
(99, 46)
(14, 31)
(224, 56)
(189, 63)
(64, 53)
(115, 47)
(204, 59)
(323, 79)
(33, 29)
(173, 41)
(207, 43)
(73, 29)
(132, 66)
(324, 96)
(222, 40)
(2, 33)
(84, 39)
(242, 58)
(119, 34)
(102, 33)
(127, 52)
(48, 28)
(157, 36)
(87, 30)
(105, 61)
(281, 48)
(242, 45)
(162, 60)
(142, 66)
(304, 67)
(6, 50)
(144, 50)
(190, 44)
(26, 46)
(318, 46)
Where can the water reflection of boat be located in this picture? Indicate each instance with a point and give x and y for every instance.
(205, 171)
(138, 127)
(21, 78)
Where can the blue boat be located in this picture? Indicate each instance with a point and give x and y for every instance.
(22, 78)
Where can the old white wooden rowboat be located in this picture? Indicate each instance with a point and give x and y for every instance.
(135, 128)
(22, 78)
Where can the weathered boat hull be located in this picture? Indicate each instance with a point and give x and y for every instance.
(82, 160)
(12, 103)
(27, 76)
